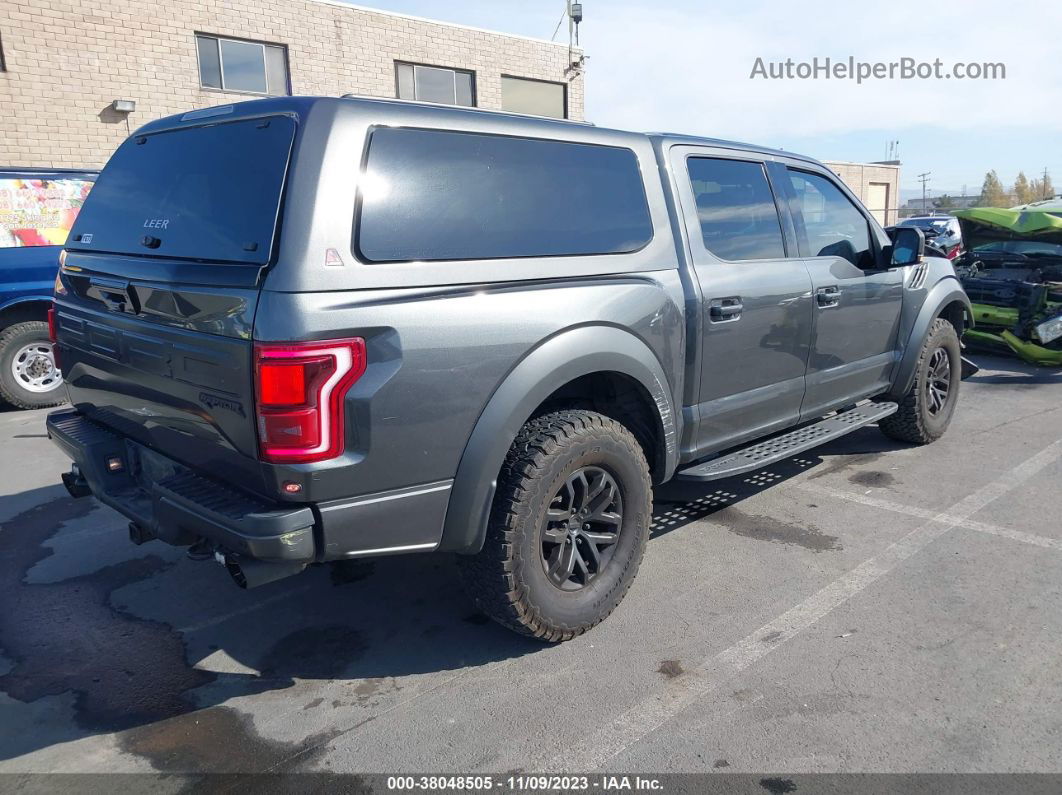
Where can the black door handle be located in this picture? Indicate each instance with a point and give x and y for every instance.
(722, 309)
(116, 295)
(828, 296)
(114, 303)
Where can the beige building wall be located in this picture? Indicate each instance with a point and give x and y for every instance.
(68, 60)
(876, 184)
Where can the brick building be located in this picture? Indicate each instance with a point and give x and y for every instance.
(68, 67)
(876, 184)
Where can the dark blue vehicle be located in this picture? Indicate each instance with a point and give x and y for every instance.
(37, 208)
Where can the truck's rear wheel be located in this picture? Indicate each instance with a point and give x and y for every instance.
(29, 378)
(568, 527)
(926, 410)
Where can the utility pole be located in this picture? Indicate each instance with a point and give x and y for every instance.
(924, 178)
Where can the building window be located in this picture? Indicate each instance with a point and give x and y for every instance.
(251, 67)
(435, 84)
(535, 97)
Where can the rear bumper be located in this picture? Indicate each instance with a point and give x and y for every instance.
(172, 503)
(176, 505)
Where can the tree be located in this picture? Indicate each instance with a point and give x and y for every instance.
(945, 202)
(992, 193)
(1041, 189)
(1022, 189)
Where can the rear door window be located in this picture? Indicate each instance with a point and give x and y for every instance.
(431, 195)
(736, 209)
(208, 192)
(38, 210)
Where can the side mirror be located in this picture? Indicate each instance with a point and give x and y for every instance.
(908, 245)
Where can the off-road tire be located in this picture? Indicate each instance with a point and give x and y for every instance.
(507, 579)
(13, 339)
(913, 422)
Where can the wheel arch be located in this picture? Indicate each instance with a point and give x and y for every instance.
(946, 299)
(24, 310)
(583, 354)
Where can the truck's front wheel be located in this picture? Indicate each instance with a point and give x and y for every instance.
(29, 378)
(926, 410)
(568, 526)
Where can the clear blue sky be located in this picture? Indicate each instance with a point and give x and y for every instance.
(684, 66)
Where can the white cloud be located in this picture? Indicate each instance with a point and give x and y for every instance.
(687, 69)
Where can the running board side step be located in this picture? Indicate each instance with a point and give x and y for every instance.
(781, 447)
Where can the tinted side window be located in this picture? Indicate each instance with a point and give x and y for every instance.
(834, 227)
(431, 195)
(736, 210)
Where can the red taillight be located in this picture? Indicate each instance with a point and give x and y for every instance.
(954, 252)
(300, 389)
(53, 336)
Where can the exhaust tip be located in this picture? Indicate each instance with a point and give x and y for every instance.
(139, 535)
(76, 486)
(236, 572)
(252, 573)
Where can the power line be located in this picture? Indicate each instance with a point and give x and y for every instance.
(560, 22)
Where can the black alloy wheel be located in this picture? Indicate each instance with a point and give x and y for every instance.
(938, 382)
(581, 528)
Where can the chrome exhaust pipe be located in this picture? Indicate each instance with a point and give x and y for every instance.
(252, 573)
(75, 483)
(140, 535)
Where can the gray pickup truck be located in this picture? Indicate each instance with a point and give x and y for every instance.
(304, 330)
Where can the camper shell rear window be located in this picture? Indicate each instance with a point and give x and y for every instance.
(208, 192)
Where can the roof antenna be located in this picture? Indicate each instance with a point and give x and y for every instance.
(575, 16)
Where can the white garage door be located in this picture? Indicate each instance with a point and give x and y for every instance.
(878, 200)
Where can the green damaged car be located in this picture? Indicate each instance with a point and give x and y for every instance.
(1012, 271)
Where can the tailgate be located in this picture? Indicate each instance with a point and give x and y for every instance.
(156, 301)
(184, 391)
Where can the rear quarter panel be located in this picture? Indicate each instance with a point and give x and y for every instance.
(437, 355)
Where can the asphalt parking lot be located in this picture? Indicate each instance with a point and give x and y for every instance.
(865, 607)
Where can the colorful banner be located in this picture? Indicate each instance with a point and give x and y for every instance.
(39, 212)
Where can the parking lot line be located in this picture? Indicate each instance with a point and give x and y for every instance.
(658, 707)
(923, 513)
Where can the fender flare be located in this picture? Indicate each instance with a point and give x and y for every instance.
(945, 292)
(16, 303)
(27, 299)
(554, 363)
